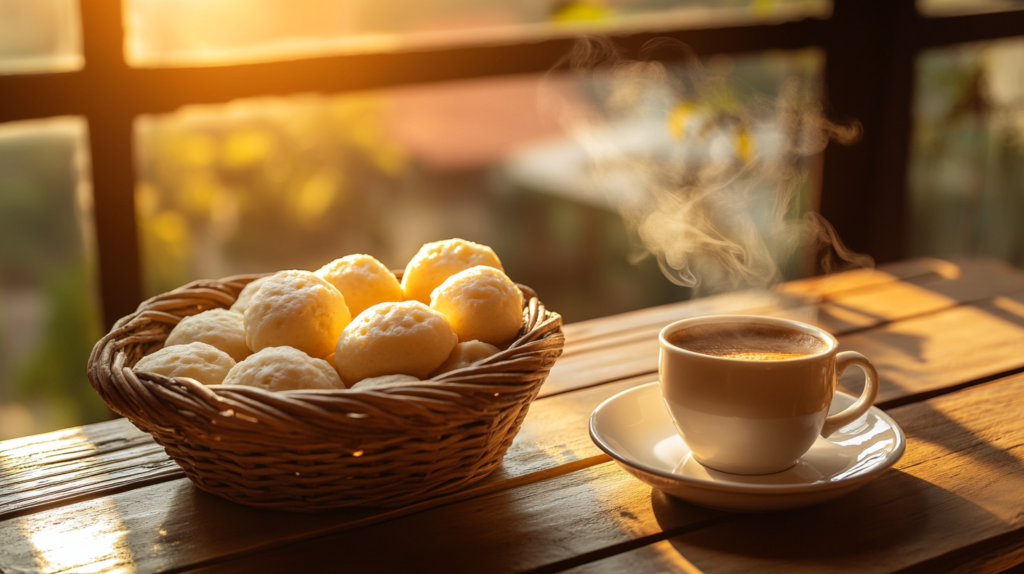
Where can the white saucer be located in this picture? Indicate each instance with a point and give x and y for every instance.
(634, 428)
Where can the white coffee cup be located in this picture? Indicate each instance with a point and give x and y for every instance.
(756, 416)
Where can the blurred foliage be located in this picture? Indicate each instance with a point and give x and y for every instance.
(966, 169)
(53, 374)
(293, 183)
(270, 184)
(47, 272)
(580, 11)
(37, 194)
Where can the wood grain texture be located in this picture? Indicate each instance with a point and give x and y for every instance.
(813, 288)
(943, 349)
(1004, 553)
(601, 358)
(922, 268)
(973, 281)
(594, 333)
(850, 301)
(862, 308)
(84, 461)
(174, 525)
(512, 531)
(628, 327)
(918, 331)
(955, 502)
(960, 483)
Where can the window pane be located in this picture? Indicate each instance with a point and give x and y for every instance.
(963, 7)
(162, 33)
(49, 312)
(967, 160)
(270, 184)
(39, 36)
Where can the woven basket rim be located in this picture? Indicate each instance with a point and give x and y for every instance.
(446, 386)
(251, 445)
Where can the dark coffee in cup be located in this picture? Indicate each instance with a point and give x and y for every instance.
(751, 342)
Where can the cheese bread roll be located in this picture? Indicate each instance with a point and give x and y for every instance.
(284, 369)
(405, 338)
(363, 281)
(481, 304)
(246, 294)
(296, 309)
(218, 327)
(465, 354)
(198, 361)
(438, 261)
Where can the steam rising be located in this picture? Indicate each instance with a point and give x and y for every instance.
(716, 191)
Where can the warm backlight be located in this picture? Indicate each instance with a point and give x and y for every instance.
(213, 32)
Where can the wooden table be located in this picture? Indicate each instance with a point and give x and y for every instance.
(948, 340)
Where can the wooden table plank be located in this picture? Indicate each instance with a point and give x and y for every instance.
(849, 299)
(965, 459)
(959, 487)
(925, 354)
(555, 432)
(105, 469)
(912, 270)
(164, 519)
(979, 278)
(511, 531)
(920, 356)
(567, 412)
(590, 334)
(535, 457)
(84, 461)
(858, 309)
(922, 269)
(636, 352)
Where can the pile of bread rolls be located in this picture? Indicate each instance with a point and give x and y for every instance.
(351, 324)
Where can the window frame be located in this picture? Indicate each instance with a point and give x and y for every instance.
(869, 47)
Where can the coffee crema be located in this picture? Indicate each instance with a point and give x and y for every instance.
(747, 341)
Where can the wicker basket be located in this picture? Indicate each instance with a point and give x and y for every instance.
(313, 450)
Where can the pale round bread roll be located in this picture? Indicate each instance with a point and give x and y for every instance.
(405, 338)
(481, 304)
(284, 369)
(385, 381)
(246, 294)
(465, 354)
(438, 261)
(296, 309)
(363, 281)
(204, 363)
(218, 327)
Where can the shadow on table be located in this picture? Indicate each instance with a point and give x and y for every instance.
(885, 520)
(216, 528)
(987, 346)
(234, 538)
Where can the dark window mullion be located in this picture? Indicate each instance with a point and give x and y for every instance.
(942, 31)
(110, 110)
(863, 188)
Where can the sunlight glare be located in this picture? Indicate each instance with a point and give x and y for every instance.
(83, 544)
(69, 442)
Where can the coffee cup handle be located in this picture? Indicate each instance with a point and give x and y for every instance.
(867, 398)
